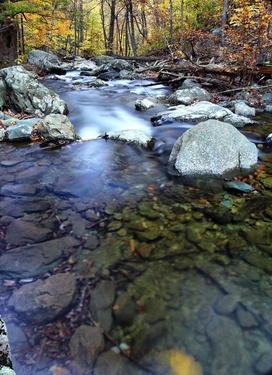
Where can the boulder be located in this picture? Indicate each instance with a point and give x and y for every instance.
(199, 112)
(189, 84)
(188, 96)
(132, 136)
(45, 61)
(5, 354)
(56, 128)
(27, 95)
(44, 300)
(213, 148)
(22, 231)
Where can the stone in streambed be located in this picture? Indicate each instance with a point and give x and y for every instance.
(22, 231)
(44, 300)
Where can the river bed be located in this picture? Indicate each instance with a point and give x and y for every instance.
(191, 268)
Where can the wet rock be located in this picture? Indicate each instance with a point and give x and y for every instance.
(102, 299)
(219, 213)
(242, 109)
(34, 260)
(199, 112)
(110, 363)
(132, 136)
(98, 83)
(107, 255)
(245, 318)
(147, 337)
(259, 261)
(143, 104)
(194, 233)
(44, 300)
(108, 76)
(45, 61)
(84, 65)
(264, 364)
(155, 309)
(31, 175)
(215, 149)
(85, 345)
(227, 304)
(151, 231)
(92, 243)
(56, 128)
(189, 95)
(28, 95)
(21, 190)
(189, 84)
(3, 94)
(228, 355)
(21, 231)
(261, 238)
(125, 309)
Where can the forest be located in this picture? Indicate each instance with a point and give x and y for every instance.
(237, 32)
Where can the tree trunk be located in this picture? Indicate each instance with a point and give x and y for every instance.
(224, 21)
(8, 43)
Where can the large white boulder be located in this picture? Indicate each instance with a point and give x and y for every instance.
(213, 149)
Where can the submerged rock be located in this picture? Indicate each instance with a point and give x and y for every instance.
(198, 112)
(44, 300)
(28, 95)
(213, 148)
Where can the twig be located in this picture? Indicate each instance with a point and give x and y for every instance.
(245, 88)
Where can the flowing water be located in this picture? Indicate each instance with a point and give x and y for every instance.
(192, 267)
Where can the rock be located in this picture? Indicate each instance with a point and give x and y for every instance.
(108, 76)
(259, 261)
(228, 354)
(21, 190)
(189, 84)
(85, 345)
(227, 304)
(22, 231)
(110, 363)
(5, 354)
(238, 185)
(6, 371)
(44, 300)
(125, 309)
(34, 260)
(264, 364)
(245, 318)
(143, 104)
(188, 96)
(120, 64)
(213, 148)
(28, 95)
(98, 83)
(261, 238)
(268, 108)
(102, 299)
(132, 136)
(19, 130)
(3, 94)
(84, 65)
(199, 112)
(45, 61)
(242, 109)
(56, 128)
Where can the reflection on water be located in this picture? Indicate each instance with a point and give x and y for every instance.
(180, 277)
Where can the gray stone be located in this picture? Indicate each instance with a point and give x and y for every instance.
(199, 112)
(56, 128)
(213, 148)
(84, 65)
(189, 84)
(102, 299)
(143, 104)
(245, 318)
(34, 260)
(132, 136)
(6, 371)
(227, 304)
(5, 353)
(21, 231)
(19, 130)
(188, 96)
(85, 345)
(243, 109)
(268, 108)
(45, 61)
(28, 95)
(44, 300)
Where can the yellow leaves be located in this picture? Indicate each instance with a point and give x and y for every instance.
(182, 364)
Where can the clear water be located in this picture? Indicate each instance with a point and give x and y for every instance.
(195, 262)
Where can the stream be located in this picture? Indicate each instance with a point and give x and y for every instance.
(179, 278)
